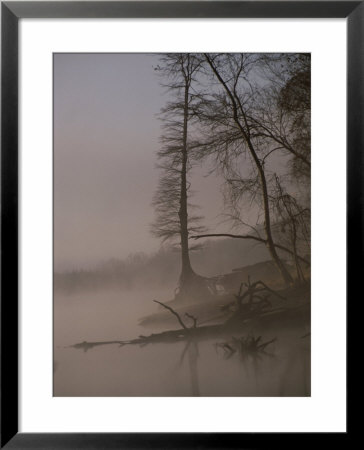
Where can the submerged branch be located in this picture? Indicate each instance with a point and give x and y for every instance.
(243, 315)
(245, 346)
(208, 331)
(89, 345)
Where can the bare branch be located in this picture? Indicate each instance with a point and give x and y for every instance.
(255, 238)
(190, 316)
(173, 312)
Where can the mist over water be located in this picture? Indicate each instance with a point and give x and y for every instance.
(149, 163)
(167, 369)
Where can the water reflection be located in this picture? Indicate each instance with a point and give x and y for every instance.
(190, 367)
(193, 355)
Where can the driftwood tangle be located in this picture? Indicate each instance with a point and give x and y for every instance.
(257, 306)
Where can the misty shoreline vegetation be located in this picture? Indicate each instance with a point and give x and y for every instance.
(246, 119)
(159, 269)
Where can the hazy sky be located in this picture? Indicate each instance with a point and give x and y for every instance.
(106, 135)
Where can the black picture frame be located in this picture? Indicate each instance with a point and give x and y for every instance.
(11, 12)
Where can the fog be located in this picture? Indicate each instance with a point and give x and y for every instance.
(157, 370)
(98, 307)
(242, 325)
(106, 135)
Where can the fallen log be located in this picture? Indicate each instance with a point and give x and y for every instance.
(235, 323)
(200, 333)
(88, 345)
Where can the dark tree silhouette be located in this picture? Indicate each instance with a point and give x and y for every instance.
(231, 113)
(285, 116)
(171, 201)
(293, 222)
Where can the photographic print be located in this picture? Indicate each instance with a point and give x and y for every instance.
(182, 212)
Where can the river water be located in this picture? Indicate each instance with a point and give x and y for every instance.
(162, 369)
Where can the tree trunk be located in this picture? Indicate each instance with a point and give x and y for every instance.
(186, 271)
(267, 223)
(235, 101)
(190, 284)
(299, 271)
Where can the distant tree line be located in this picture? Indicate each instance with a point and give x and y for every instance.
(159, 269)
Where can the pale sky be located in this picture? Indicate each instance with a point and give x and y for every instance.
(106, 137)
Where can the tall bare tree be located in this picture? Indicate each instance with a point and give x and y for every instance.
(230, 112)
(171, 200)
